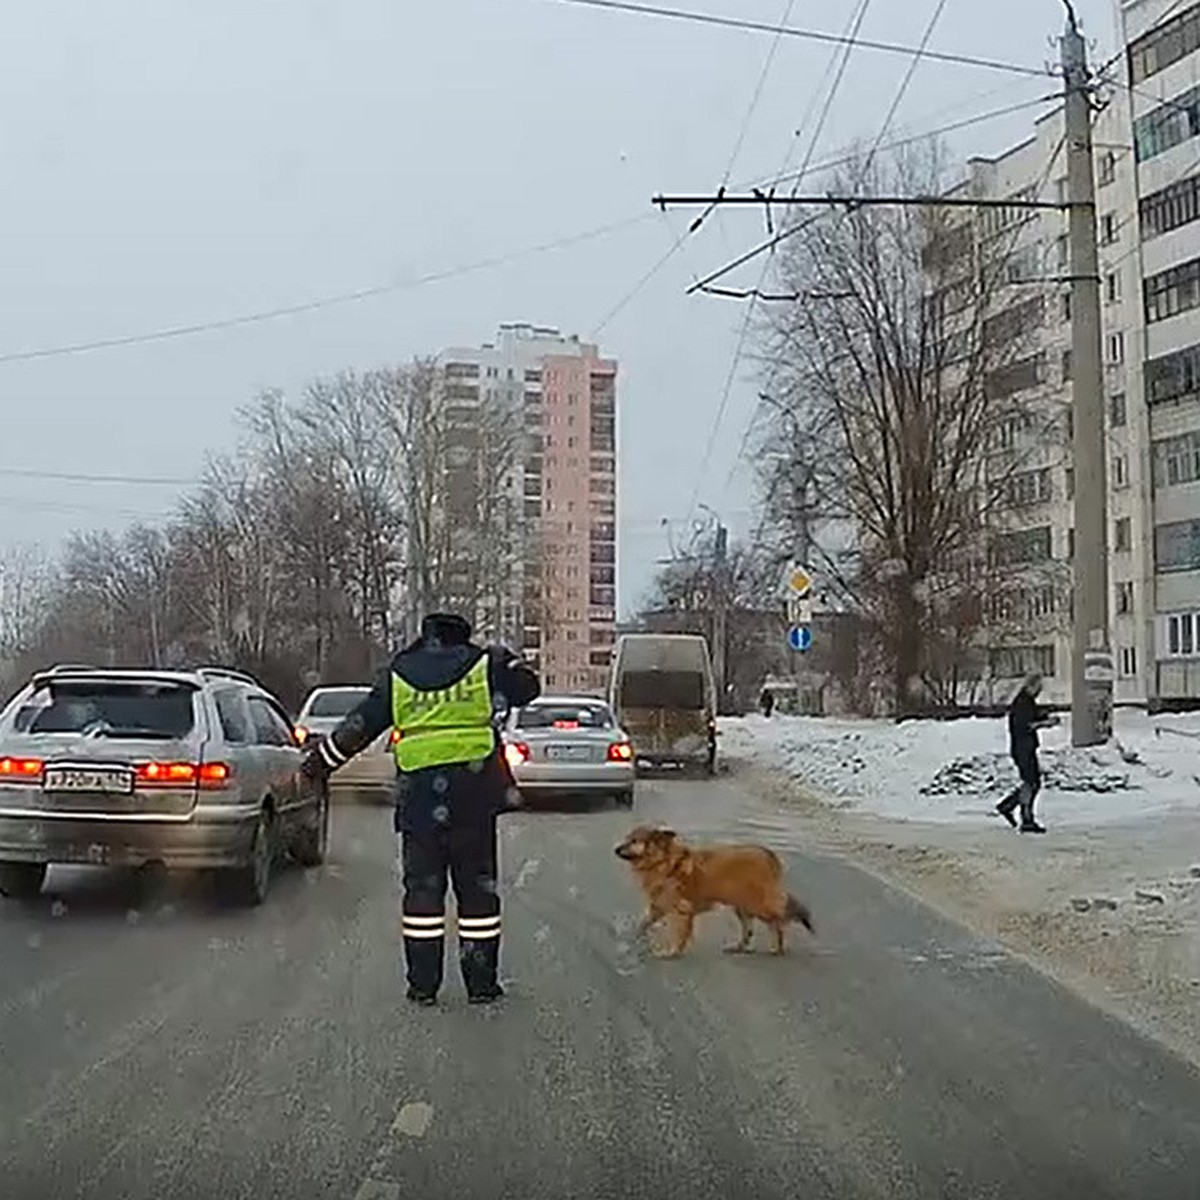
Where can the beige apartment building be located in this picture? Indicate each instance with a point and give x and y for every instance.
(1147, 170)
(555, 559)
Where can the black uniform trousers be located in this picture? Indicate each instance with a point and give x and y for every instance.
(1026, 759)
(461, 846)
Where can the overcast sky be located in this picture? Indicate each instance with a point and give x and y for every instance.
(170, 163)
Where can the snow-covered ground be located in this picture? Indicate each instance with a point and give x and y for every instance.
(1108, 901)
(956, 771)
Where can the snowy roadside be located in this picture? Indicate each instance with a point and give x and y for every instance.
(1108, 901)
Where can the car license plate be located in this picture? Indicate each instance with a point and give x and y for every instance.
(569, 753)
(109, 780)
(94, 855)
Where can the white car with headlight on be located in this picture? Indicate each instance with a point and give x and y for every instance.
(569, 746)
(372, 772)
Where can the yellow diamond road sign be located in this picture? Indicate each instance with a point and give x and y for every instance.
(799, 581)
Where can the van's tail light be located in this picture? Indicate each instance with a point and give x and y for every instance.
(183, 774)
(21, 770)
(620, 752)
(516, 753)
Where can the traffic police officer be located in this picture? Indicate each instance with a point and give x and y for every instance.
(439, 695)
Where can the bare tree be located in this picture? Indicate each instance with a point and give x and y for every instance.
(897, 375)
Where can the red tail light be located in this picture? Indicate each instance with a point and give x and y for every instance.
(620, 752)
(516, 753)
(566, 724)
(27, 770)
(395, 737)
(183, 774)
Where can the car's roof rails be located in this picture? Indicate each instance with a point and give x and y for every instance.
(229, 673)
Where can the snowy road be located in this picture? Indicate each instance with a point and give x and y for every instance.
(188, 1051)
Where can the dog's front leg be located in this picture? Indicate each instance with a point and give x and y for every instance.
(682, 923)
(652, 918)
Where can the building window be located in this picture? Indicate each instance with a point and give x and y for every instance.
(1128, 661)
(1112, 287)
(1069, 482)
(1106, 168)
(1015, 377)
(1173, 376)
(1177, 460)
(1123, 535)
(1164, 44)
(1066, 366)
(1022, 546)
(1124, 595)
(1183, 634)
(1066, 306)
(1029, 487)
(1014, 662)
(1120, 471)
(1172, 123)
(1173, 291)
(1070, 543)
(1108, 229)
(1116, 410)
(1170, 208)
(1116, 348)
(1177, 546)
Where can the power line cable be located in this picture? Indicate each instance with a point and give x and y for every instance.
(307, 306)
(689, 230)
(812, 35)
(727, 391)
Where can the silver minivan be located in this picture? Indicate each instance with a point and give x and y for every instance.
(191, 769)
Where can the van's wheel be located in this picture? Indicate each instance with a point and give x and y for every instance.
(248, 885)
(22, 880)
(312, 844)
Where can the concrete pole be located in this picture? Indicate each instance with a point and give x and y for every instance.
(720, 614)
(1091, 676)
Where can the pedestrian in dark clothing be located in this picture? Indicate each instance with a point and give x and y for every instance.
(1025, 718)
(767, 702)
(439, 696)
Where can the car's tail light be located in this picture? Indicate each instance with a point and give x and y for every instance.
(516, 753)
(394, 737)
(620, 752)
(566, 724)
(301, 735)
(183, 774)
(28, 770)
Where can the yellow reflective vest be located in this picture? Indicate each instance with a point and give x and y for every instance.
(446, 726)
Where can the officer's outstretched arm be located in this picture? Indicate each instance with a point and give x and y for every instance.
(360, 727)
(512, 677)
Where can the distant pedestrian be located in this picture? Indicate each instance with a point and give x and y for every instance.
(767, 702)
(1025, 718)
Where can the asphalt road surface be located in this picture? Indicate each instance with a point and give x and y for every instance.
(170, 1048)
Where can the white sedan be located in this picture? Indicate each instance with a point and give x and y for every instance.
(373, 771)
(569, 745)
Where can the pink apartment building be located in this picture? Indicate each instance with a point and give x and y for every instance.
(566, 476)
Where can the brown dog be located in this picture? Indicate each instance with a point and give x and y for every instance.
(681, 882)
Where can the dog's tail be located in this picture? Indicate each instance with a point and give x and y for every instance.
(797, 910)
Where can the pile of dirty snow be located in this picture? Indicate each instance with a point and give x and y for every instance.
(955, 770)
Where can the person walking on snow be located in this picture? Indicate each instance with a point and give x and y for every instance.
(1025, 718)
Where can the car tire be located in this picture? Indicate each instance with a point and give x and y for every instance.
(22, 880)
(625, 799)
(247, 886)
(312, 843)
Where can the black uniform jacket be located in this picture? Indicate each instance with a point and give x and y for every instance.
(440, 796)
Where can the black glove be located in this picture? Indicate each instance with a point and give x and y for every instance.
(313, 766)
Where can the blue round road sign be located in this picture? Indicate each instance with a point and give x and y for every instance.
(800, 638)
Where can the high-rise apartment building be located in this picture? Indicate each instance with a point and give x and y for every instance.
(1147, 170)
(546, 405)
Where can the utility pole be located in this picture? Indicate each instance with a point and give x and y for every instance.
(720, 602)
(1092, 667)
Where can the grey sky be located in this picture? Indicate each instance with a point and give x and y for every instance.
(169, 163)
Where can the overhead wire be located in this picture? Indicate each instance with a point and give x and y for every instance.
(813, 35)
(694, 227)
(841, 57)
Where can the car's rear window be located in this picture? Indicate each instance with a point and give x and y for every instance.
(682, 690)
(336, 704)
(547, 716)
(108, 709)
